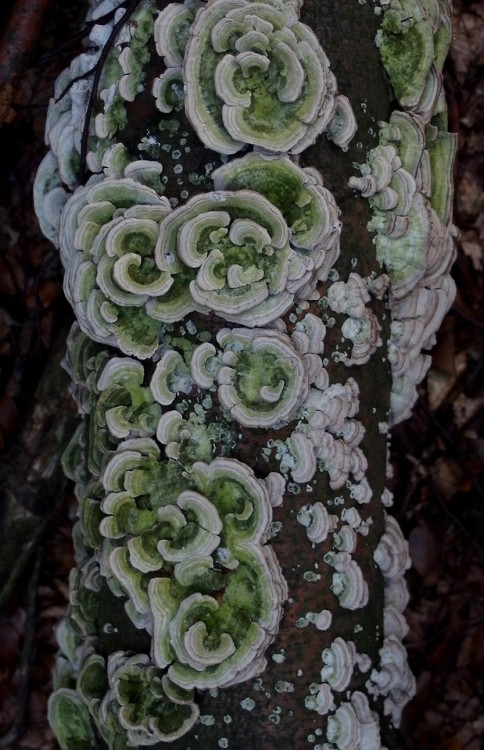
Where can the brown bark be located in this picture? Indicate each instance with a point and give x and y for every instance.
(22, 29)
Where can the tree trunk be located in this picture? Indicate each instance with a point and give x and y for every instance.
(244, 341)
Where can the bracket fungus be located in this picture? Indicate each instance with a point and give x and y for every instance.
(393, 679)
(215, 325)
(410, 201)
(254, 74)
(308, 208)
(264, 380)
(413, 42)
(343, 728)
(227, 252)
(348, 583)
(338, 660)
(317, 521)
(108, 231)
(209, 527)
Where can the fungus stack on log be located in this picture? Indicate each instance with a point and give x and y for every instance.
(250, 319)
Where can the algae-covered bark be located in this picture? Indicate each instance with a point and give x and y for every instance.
(242, 343)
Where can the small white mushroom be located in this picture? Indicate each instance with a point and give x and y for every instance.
(343, 728)
(204, 365)
(349, 585)
(317, 521)
(320, 699)
(338, 660)
(370, 738)
(394, 679)
(392, 555)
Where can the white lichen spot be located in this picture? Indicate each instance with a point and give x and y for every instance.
(278, 657)
(274, 529)
(310, 575)
(207, 402)
(302, 622)
(248, 704)
(109, 628)
(207, 720)
(339, 356)
(282, 686)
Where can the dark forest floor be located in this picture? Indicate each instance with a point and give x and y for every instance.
(438, 455)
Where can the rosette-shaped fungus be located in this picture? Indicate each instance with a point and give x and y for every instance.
(210, 641)
(263, 380)
(226, 252)
(124, 408)
(145, 708)
(253, 74)
(216, 615)
(309, 209)
(108, 234)
(132, 703)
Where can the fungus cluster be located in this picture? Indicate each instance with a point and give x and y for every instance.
(413, 41)
(327, 434)
(393, 679)
(408, 181)
(253, 74)
(361, 325)
(132, 263)
(198, 324)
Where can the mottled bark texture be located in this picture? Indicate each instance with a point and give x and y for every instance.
(239, 581)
